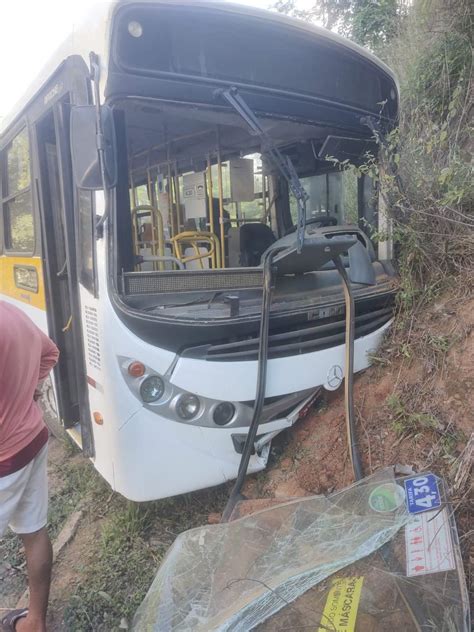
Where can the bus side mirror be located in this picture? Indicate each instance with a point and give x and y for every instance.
(84, 151)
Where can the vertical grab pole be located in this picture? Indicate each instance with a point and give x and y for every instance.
(134, 191)
(177, 197)
(136, 246)
(211, 206)
(264, 194)
(160, 173)
(170, 201)
(135, 224)
(154, 230)
(152, 188)
(159, 216)
(221, 200)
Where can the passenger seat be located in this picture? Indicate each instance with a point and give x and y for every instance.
(255, 238)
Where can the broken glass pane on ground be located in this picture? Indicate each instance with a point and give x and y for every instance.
(355, 560)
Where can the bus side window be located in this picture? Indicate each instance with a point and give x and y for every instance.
(86, 240)
(16, 196)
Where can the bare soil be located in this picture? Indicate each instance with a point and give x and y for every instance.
(434, 397)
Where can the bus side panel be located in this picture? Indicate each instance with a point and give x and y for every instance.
(99, 351)
(92, 331)
(32, 303)
(106, 342)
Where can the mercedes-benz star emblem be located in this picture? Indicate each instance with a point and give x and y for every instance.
(334, 377)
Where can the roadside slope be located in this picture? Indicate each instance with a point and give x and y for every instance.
(414, 407)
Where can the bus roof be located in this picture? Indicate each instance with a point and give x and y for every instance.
(94, 34)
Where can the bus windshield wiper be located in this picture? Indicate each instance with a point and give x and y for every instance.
(198, 301)
(282, 163)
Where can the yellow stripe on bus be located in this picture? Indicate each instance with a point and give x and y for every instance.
(8, 285)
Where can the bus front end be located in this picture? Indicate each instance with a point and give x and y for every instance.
(173, 315)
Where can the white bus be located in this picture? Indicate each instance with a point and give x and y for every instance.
(138, 201)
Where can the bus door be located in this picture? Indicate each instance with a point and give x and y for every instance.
(59, 258)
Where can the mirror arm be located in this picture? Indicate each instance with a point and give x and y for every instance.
(95, 77)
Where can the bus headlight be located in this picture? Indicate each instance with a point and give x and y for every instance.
(151, 389)
(135, 28)
(223, 413)
(188, 406)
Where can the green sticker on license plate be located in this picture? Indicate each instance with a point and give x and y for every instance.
(386, 497)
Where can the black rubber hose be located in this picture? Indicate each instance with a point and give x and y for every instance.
(409, 600)
(349, 372)
(260, 391)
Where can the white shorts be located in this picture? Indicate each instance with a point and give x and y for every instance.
(24, 497)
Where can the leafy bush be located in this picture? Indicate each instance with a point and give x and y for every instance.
(425, 175)
(427, 169)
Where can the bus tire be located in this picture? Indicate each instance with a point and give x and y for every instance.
(49, 407)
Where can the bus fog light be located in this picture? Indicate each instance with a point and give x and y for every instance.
(223, 413)
(188, 406)
(151, 389)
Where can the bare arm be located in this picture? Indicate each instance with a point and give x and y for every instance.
(49, 357)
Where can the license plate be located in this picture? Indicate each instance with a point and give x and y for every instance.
(422, 493)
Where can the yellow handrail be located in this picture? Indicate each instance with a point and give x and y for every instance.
(158, 242)
(210, 202)
(220, 188)
(194, 239)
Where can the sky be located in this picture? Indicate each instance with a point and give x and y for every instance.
(30, 32)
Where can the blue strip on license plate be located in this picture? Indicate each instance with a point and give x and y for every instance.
(422, 493)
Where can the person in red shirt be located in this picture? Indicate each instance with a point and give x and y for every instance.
(27, 356)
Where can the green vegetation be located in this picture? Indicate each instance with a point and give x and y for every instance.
(410, 417)
(407, 421)
(133, 540)
(370, 23)
(77, 478)
(428, 178)
(122, 544)
(74, 478)
(10, 550)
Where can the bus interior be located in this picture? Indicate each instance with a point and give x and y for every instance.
(198, 195)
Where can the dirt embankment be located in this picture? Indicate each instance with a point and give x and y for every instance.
(414, 407)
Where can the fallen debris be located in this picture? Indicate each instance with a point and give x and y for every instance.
(341, 562)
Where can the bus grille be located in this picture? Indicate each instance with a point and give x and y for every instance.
(297, 341)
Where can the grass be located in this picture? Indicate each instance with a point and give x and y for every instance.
(74, 479)
(113, 586)
(77, 478)
(410, 416)
(405, 420)
(135, 537)
(10, 550)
